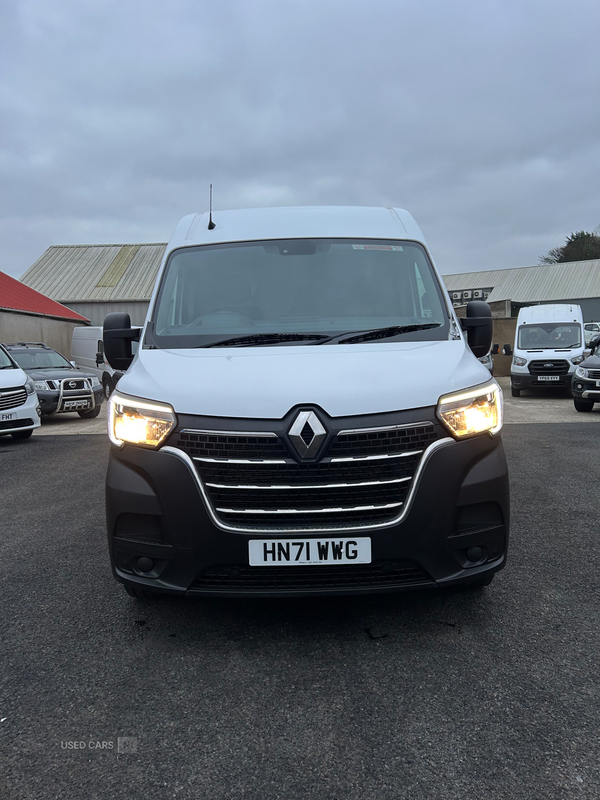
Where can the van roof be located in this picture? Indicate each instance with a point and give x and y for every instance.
(555, 312)
(299, 222)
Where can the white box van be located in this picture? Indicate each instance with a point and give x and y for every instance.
(549, 343)
(304, 415)
(87, 351)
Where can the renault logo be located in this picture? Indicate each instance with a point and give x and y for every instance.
(307, 434)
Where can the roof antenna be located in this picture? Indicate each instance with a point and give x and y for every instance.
(211, 224)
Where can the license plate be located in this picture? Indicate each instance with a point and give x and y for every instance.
(299, 552)
(76, 405)
(7, 417)
(548, 377)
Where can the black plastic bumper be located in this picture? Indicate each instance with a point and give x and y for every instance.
(155, 511)
(586, 389)
(527, 381)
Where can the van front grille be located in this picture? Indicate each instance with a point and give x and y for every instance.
(12, 398)
(549, 367)
(363, 478)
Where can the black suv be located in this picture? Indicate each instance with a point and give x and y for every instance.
(586, 379)
(59, 385)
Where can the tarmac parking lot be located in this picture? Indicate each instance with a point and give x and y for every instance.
(432, 694)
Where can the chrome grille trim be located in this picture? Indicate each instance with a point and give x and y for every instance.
(240, 460)
(13, 397)
(175, 452)
(228, 433)
(306, 486)
(338, 510)
(373, 458)
(386, 428)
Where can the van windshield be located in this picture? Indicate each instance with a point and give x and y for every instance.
(5, 361)
(549, 336)
(289, 288)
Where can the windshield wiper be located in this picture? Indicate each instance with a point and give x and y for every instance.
(380, 333)
(258, 339)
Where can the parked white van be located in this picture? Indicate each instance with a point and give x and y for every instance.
(19, 405)
(87, 351)
(549, 343)
(304, 415)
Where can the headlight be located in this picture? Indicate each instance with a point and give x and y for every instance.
(577, 359)
(581, 372)
(31, 386)
(472, 412)
(518, 361)
(138, 422)
(94, 382)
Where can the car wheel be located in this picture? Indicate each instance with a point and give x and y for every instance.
(90, 414)
(514, 391)
(133, 590)
(580, 405)
(106, 385)
(22, 434)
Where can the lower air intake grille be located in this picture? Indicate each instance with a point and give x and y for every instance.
(388, 574)
(7, 425)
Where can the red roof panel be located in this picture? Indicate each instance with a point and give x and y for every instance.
(18, 297)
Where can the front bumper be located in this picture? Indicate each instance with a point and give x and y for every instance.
(156, 510)
(22, 418)
(524, 380)
(586, 389)
(57, 402)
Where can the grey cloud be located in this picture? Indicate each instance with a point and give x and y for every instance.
(478, 117)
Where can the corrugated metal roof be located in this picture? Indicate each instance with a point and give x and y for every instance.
(14, 295)
(100, 272)
(543, 283)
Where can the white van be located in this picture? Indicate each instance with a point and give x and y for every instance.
(19, 404)
(87, 351)
(549, 343)
(305, 415)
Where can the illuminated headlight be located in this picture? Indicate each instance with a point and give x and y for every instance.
(581, 372)
(140, 422)
(41, 385)
(472, 412)
(94, 382)
(518, 361)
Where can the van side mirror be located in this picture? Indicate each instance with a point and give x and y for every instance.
(507, 350)
(495, 349)
(479, 327)
(594, 343)
(118, 336)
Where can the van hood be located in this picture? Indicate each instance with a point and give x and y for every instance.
(12, 377)
(266, 382)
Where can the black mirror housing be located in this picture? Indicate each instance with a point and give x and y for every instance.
(507, 350)
(495, 349)
(479, 327)
(118, 335)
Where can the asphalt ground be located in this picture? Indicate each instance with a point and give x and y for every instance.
(428, 695)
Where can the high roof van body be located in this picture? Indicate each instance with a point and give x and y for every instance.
(304, 415)
(549, 344)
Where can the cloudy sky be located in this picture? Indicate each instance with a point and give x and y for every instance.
(481, 117)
